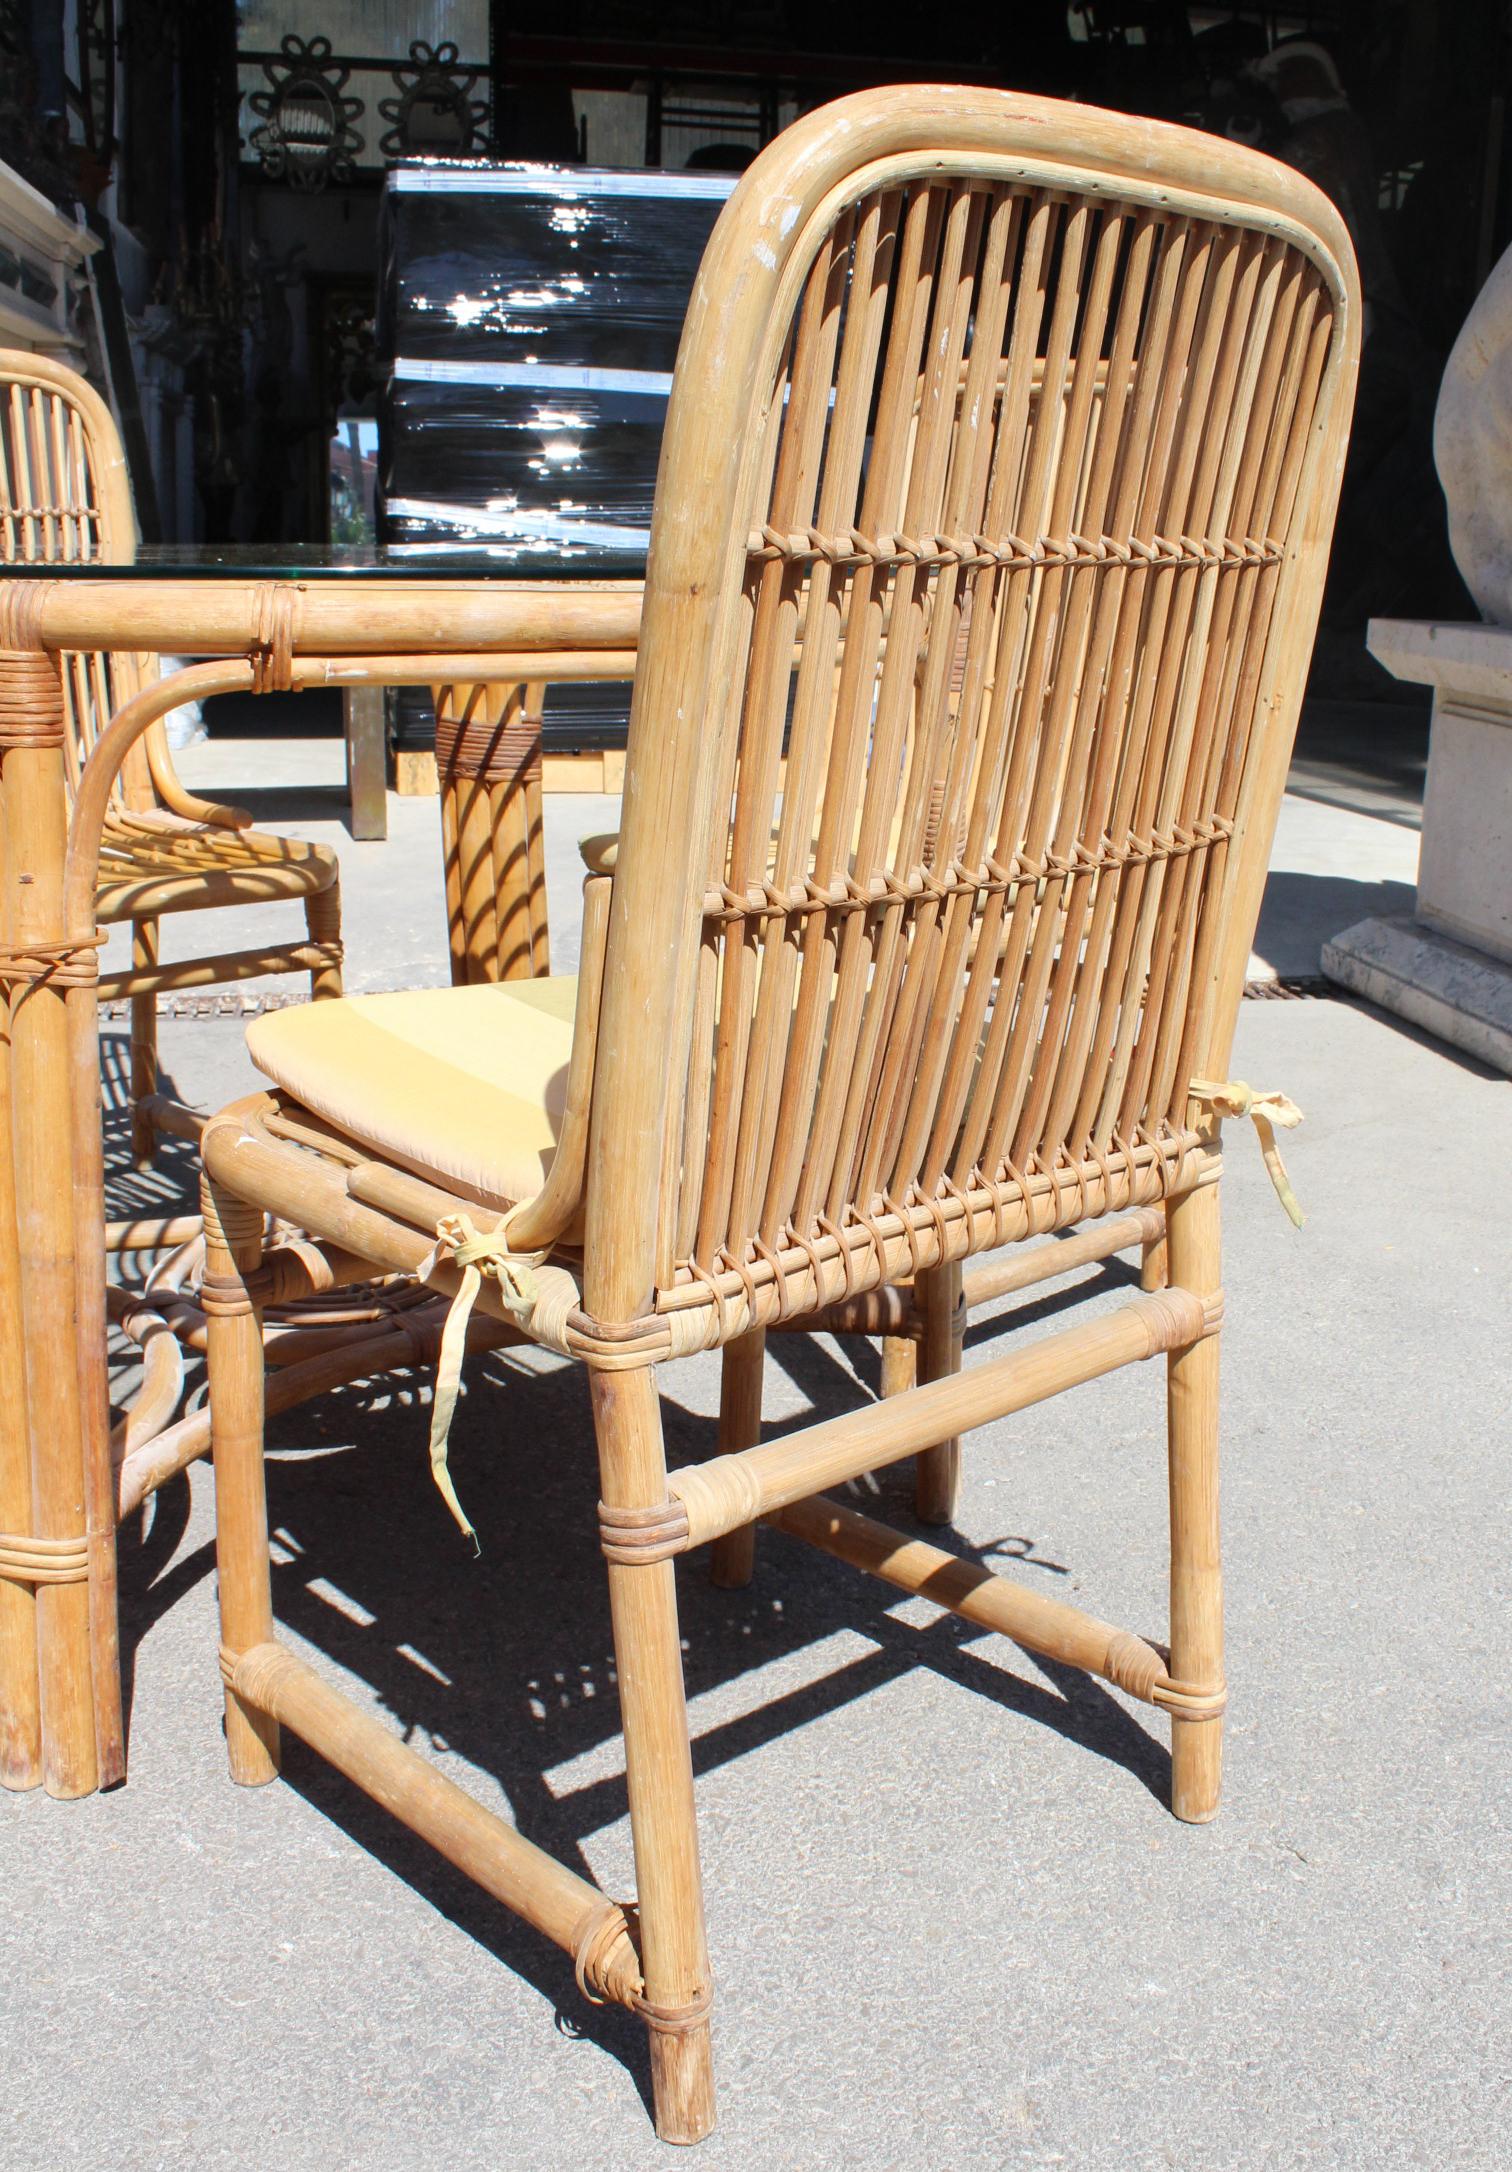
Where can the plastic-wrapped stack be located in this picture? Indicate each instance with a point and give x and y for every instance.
(529, 320)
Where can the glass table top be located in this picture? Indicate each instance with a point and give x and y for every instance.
(515, 560)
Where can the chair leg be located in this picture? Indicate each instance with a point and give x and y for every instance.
(233, 1256)
(1196, 1566)
(937, 1471)
(732, 1559)
(900, 1364)
(322, 910)
(1154, 1265)
(659, 1767)
(144, 1060)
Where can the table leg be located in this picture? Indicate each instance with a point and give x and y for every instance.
(488, 755)
(366, 761)
(71, 1542)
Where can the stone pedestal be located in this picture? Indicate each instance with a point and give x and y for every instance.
(1448, 967)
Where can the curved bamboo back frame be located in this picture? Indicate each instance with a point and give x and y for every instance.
(65, 497)
(989, 541)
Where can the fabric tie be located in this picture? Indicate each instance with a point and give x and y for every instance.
(1232, 1097)
(458, 1244)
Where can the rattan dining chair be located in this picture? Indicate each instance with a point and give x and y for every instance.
(65, 495)
(983, 986)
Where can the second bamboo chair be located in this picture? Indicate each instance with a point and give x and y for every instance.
(65, 498)
(983, 985)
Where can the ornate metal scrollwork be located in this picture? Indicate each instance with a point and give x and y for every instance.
(307, 137)
(434, 113)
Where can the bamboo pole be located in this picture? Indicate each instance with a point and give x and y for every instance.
(233, 1260)
(1154, 1259)
(1030, 1264)
(937, 1472)
(43, 1160)
(1060, 1632)
(732, 1561)
(151, 1233)
(361, 1357)
(1196, 1561)
(734, 1489)
(553, 1899)
(91, 1334)
(409, 620)
(659, 1767)
(142, 983)
(20, 1700)
(899, 1370)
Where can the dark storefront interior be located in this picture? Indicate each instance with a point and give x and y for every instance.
(231, 157)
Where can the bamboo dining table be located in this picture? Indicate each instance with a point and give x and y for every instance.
(263, 620)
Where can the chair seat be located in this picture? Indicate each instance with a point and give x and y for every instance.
(465, 1086)
(150, 865)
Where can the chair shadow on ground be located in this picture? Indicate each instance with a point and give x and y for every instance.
(1302, 912)
(507, 1660)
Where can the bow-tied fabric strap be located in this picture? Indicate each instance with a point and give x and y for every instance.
(459, 1244)
(1233, 1097)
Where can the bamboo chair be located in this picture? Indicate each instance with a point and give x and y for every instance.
(65, 495)
(794, 1078)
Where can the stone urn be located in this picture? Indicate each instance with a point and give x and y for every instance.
(1448, 966)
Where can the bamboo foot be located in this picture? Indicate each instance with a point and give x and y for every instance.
(682, 2083)
(1196, 1566)
(732, 1558)
(937, 1472)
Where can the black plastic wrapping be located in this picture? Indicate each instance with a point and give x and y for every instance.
(528, 323)
(586, 267)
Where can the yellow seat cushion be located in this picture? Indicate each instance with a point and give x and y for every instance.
(465, 1086)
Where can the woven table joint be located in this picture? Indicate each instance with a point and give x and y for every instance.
(60, 965)
(43, 1561)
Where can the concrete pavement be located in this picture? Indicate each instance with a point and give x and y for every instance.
(951, 1920)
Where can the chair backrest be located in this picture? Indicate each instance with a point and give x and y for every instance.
(65, 496)
(915, 909)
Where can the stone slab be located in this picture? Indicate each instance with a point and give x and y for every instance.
(1465, 873)
(1459, 994)
(1475, 660)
